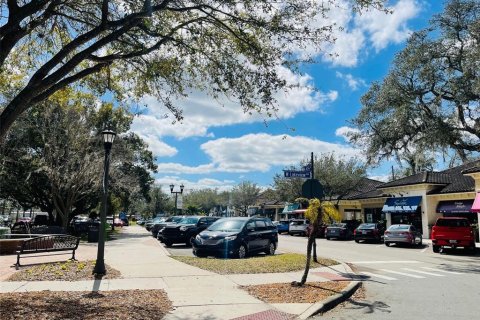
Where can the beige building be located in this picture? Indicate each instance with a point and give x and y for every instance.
(418, 199)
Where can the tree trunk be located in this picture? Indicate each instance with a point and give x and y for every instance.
(311, 240)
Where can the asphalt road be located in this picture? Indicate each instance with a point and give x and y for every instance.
(403, 282)
(399, 282)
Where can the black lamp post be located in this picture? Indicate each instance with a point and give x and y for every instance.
(99, 269)
(176, 193)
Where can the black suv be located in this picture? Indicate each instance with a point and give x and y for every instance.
(237, 237)
(185, 230)
(159, 225)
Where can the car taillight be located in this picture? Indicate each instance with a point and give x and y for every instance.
(355, 232)
(387, 232)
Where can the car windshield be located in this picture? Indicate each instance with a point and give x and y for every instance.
(189, 220)
(157, 220)
(297, 222)
(339, 225)
(227, 225)
(399, 227)
(367, 226)
(175, 219)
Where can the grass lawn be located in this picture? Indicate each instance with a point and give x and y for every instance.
(259, 264)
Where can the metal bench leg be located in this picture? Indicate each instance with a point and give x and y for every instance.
(73, 256)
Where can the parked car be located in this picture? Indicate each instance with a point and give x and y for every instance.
(402, 233)
(237, 237)
(185, 230)
(160, 225)
(151, 222)
(322, 228)
(452, 232)
(298, 226)
(369, 231)
(79, 224)
(117, 222)
(339, 231)
(282, 226)
(140, 221)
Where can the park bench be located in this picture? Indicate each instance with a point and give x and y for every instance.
(50, 243)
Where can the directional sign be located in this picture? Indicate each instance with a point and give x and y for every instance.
(296, 174)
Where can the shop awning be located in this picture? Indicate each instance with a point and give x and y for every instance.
(402, 204)
(290, 207)
(476, 203)
(458, 206)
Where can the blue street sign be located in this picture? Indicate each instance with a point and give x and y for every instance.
(296, 174)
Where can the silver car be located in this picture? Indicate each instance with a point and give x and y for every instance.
(402, 233)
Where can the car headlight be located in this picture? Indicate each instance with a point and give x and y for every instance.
(183, 228)
(198, 238)
(230, 238)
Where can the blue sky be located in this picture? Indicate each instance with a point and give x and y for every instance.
(218, 147)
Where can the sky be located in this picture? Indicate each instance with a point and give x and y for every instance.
(218, 146)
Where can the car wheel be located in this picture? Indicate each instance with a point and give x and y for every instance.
(420, 243)
(168, 243)
(190, 241)
(198, 254)
(290, 233)
(328, 238)
(387, 244)
(271, 249)
(242, 252)
(357, 241)
(436, 249)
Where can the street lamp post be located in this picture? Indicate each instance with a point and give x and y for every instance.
(99, 269)
(176, 194)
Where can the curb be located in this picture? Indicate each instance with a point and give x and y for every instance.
(332, 301)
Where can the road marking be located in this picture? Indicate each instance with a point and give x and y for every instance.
(440, 270)
(424, 272)
(373, 262)
(380, 245)
(403, 274)
(424, 250)
(378, 276)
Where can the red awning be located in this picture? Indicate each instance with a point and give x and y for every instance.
(476, 203)
(299, 211)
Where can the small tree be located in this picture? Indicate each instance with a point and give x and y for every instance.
(317, 212)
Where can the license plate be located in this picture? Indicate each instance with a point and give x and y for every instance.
(364, 232)
(452, 241)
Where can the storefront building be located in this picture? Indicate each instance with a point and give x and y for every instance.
(420, 199)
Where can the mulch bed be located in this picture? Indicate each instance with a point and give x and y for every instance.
(119, 304)
(70, 270)
(311, 292)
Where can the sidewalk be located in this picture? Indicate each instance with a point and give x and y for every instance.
(195, 293)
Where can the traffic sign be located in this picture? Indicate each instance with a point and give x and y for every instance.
(312, 189)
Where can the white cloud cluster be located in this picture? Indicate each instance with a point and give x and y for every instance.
(190, 185)
(343, 132)
(258, 152)
(355, 33)
(353, 83)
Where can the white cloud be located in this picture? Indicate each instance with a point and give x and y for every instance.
(353, 33)
(190, 185)
(258, 153)
(202, 112)
(353, 83)
(343, 132)
(384, 29)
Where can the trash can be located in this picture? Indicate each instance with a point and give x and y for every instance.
(93, 230)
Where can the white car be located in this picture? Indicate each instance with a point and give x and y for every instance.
(298, 226)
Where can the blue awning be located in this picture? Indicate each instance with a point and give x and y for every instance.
(402, 204)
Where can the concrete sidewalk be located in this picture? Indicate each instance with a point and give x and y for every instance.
(195, 293)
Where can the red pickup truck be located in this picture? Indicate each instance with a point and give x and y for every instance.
(452, 232)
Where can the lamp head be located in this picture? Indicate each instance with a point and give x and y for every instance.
(108, 137)
(181, 188)
(171, 187)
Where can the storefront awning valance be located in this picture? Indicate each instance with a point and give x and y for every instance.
(289, 208)
(402, 204)
(476, 203)
(458, 206)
